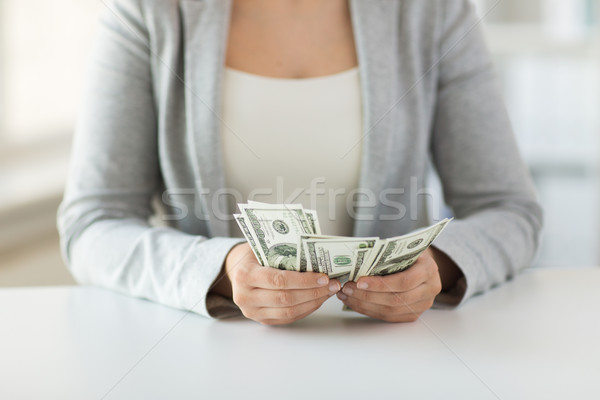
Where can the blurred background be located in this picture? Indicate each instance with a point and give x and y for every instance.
(548, 58)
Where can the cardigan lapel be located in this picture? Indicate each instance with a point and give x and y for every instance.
(206, 26)
(374, 26)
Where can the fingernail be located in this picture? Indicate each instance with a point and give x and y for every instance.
(334, 287)
(323, 281)
(348, 290)
(362, 285)
(342, 296)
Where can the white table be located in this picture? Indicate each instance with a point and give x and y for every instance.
(537, 337)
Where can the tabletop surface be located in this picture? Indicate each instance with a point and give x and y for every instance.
(536, 337)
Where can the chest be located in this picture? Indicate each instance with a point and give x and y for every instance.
(288, 43)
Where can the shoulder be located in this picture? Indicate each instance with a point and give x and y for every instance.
(141, 9)
(430, 21)
(428, 14)
(428, 8)
(144, 19)
(145, 4)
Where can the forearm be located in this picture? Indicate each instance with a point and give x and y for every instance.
(160, 264)
(489, 247)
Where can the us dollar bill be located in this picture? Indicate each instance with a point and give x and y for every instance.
(249, 238)
(335, 257)
(368, 260)
(311, 215)
(313, 220)
(287, 236)
(276, 229)
(302, 262)
(361, 258)
(401, 252)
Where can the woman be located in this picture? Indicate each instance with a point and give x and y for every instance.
(187, 98)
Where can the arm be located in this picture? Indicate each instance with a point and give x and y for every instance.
(485, 181)
(103, 221)
(498, 219)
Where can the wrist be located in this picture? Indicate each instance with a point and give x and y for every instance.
(222, 283)
(235, 255)
(448, 270)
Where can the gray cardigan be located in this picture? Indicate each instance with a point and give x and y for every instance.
(149, 126)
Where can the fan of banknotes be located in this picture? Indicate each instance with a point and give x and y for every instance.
(288, 237)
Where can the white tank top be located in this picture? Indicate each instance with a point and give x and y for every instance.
(294, 141)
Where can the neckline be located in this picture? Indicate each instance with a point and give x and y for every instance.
(351, 71)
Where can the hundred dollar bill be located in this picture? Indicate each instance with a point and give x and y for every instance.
(401, 252)
(334, 256)
(276, 230)
(301, 261)
(248, 235)
(361, 257)
(368, 261)
(311, 215)
(313, 220)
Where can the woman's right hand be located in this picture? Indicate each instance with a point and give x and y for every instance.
(272, 296)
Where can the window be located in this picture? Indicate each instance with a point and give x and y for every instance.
(43, 52)
(44, 47)
(548, 57)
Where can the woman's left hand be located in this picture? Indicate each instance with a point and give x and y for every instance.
(399, 297)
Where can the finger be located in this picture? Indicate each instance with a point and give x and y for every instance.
(291, 313)
(368, 309)
(402, 281)
(421, 292)
(287, 298)
(271, 278)
(390, 314)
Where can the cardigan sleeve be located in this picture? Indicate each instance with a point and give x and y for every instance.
(106, 238)
(488, 187)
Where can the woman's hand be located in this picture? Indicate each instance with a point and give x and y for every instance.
(403, 296)
(271, 296)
